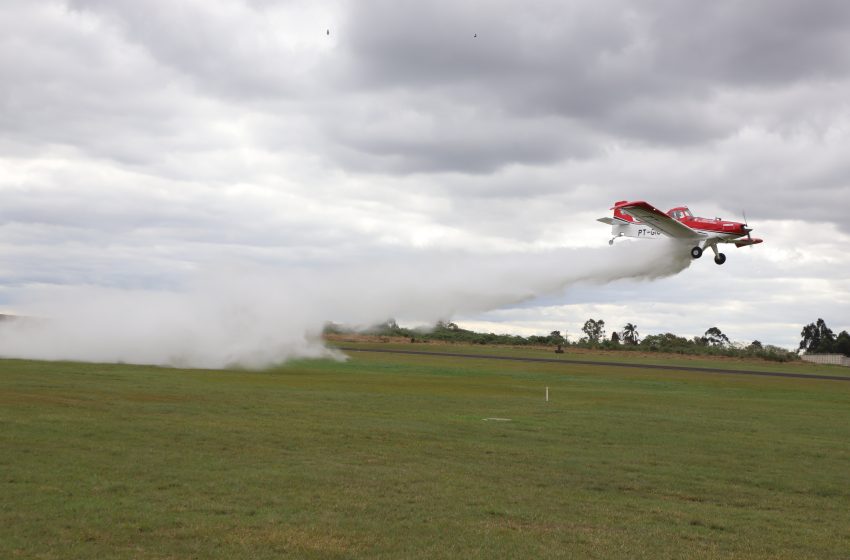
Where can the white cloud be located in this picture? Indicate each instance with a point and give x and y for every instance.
(141, 142)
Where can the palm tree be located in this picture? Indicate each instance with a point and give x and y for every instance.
(630, 334)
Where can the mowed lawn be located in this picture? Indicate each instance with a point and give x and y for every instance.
(400, 456)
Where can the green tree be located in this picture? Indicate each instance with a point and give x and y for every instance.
(388, 328)
(556, 338)
(615, 337)
(842, 343)
(666, 342)
(714, 337)
(817, 337)
(595, 330)
(630, 334)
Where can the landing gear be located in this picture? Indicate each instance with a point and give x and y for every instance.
(719, 257)
(611, 241)
(696, 252)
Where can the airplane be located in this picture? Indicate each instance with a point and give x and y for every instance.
(642, 220)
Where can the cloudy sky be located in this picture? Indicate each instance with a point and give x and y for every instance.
(142, 141)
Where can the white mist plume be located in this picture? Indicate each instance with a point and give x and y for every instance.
(254, 317)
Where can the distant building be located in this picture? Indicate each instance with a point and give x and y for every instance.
(831, 359)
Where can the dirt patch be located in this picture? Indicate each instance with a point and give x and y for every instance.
(294, 539)
(368, 338)
(11, 398)
(536, 527)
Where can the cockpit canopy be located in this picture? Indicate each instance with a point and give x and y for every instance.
(680, 213)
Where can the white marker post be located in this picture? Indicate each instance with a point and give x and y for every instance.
(547, 394)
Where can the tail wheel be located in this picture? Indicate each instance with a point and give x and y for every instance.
(696, 252)
(720, 258)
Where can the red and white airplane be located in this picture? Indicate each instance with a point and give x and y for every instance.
(642, 220)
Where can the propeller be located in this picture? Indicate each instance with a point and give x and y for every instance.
(747, 227)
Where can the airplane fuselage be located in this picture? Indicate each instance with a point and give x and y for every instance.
(641, 220)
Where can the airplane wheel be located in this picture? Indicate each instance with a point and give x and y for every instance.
(610, 242)
(720, 258)
(696, 252)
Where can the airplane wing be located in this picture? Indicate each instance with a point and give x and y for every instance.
(651, 215)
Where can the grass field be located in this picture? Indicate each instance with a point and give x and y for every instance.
(624, 356)
(390, 456)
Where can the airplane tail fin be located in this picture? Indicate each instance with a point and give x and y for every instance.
(620, 214)
(625, 225)
(620, 217)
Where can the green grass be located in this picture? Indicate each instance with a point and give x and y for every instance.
(388, 456)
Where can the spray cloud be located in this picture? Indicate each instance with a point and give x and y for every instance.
(255, 316)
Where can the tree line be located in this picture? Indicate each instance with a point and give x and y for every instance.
(816, 338)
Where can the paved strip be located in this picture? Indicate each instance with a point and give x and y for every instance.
(609, 364)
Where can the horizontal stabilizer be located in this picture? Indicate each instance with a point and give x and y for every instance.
(609, 221)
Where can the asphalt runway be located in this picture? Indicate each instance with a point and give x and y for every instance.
(606, 364)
